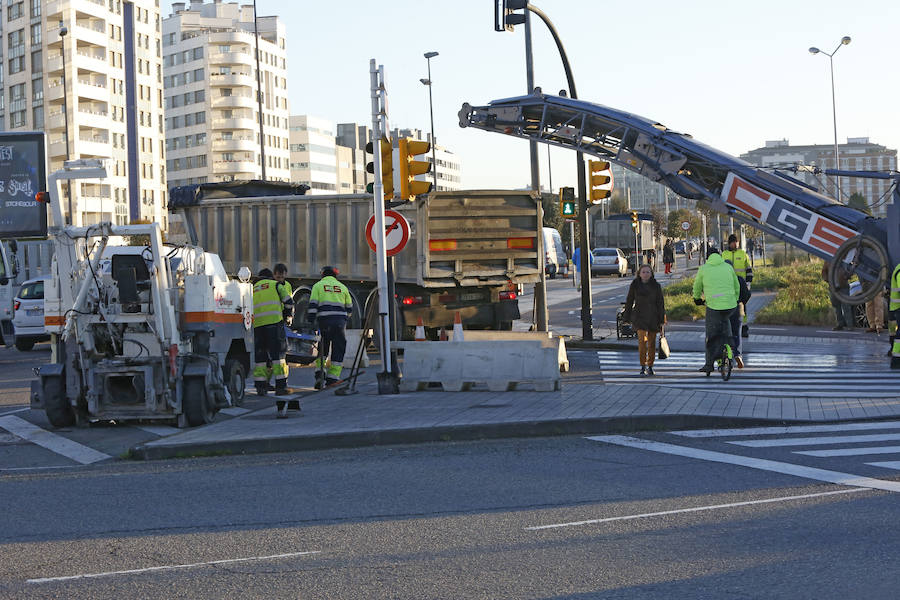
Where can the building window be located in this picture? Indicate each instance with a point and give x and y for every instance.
(17, 119)
(37, 89)
(35, 8)
(15, 11)
(38, 115)
(36, 34)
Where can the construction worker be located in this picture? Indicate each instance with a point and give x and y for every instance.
(270, 305)
(894, 310)
(717, 283)
(741, 263)
(280, 278)
(330, 305)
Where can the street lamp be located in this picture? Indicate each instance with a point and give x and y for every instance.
(63, 31)
(844, 41)
(428, 57)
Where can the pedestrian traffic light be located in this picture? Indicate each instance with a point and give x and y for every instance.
(408, 167)
(387, 171)
(567, 202)
(505, 15)
(634, 219)
(601, 175)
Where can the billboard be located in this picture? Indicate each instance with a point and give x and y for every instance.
(23, 173)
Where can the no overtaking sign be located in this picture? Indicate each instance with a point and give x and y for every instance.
(396, 232)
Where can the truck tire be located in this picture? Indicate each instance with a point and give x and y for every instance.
(235, 377)
(195, 402)
(24, 345)
(56, 405)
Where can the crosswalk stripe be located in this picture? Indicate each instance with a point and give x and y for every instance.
(890, 464)
(850, 451)
(51, 441)
(707, 433)
(818, 441)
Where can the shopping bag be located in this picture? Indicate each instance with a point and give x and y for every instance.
(663, 345)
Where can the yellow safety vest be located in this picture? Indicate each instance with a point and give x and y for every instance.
(739, 261)
(895, 289)
(268, 302)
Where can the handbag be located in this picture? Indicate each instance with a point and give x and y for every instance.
(663, 345)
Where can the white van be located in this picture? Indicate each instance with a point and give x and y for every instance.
(554, 255)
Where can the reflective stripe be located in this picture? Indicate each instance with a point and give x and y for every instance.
(717, 295)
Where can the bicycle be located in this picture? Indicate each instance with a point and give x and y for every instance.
(725, 356)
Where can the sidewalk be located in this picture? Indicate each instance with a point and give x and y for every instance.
(582, 406)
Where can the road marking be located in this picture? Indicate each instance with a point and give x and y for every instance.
(695, 509)
(18, 410)
(39, 468)
(170, 567)
(753, 463)
(51, 441)
(891, 464)
(707, 433)
(850, 451)
(818, 441)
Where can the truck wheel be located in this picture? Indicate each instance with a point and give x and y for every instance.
(24, 345)
(235, 380)
(196, 403)
(59, 412)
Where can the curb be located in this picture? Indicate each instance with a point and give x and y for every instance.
(455, 433)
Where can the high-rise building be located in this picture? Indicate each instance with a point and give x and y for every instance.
(211, 102)
(858, 154)
(447, 169)
(109, 81)
(355, 137)
(313, 155)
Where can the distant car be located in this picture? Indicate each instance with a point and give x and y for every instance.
(28, 321)
(679, 248)
(554, 254)
(609, 261)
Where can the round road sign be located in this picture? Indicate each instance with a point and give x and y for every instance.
(686, 225)
(396, 232)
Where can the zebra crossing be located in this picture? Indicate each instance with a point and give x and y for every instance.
(798, 375)
(839, 448)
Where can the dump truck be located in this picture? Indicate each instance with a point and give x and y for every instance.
(468, 251)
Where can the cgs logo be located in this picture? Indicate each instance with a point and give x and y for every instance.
(333, 288)
(800, 224)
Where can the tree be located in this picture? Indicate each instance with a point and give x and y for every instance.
(676, 218)
(659, 222)
(617, 203)
(858, 201)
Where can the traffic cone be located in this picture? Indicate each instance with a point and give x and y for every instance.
(443, 337)
(457, 328)
(420, 331)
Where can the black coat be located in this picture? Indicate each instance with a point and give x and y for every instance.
(644, 306)
(668, 254)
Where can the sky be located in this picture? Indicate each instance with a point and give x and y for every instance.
(732, 74)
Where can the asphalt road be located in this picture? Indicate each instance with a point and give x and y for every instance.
(454, 520)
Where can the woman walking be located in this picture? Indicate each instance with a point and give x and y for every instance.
(646, 311)
(668, 256)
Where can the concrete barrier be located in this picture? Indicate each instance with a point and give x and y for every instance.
(353, 336)
(501, 365)
(545, 337)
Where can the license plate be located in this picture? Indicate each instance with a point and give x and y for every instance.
(469, 297)
(33, 312)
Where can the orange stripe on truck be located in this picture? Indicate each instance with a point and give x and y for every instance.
(54, 321)
(210, 316)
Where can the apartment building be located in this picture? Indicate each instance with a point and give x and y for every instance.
(857, 154)
(447, 169)
(211, 103)
(314, 160)
(355, 137)
(92, 59)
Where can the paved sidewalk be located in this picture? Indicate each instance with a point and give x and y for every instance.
(582, 406)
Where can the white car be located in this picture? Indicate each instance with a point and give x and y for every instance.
(609, 261)
(28, 321)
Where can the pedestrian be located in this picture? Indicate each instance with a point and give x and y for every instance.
(717, 283)
(740, 262)
(330, 305)
(270, 305)
(894, 311)
(280, 271)
(651, 258)
(843, 312)
(646, 311)
(875, 313)
(576, 258)
(668, 256)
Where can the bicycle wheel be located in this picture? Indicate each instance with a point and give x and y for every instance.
(726, 363)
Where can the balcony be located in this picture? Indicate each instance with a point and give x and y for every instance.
(57, 148)
(54, 121)
(91, 60)
(92, 118)
(235, 101)
(242, 144)
(234, 167)
(235, 124)
(94, 146)
(232, 58)
(54, 92)
(232, 37)
(95, 32)
(232, 80)
(95, 91)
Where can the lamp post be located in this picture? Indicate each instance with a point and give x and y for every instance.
(837, 165)
(259, 98)
(63, 31)
(428, 57)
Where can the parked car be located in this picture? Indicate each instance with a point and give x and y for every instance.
(609, 261)
(679, 248)
(28, 321)
(554, 254)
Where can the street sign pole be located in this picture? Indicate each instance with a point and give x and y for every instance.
(387, 383)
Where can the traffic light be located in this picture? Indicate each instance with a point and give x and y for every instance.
(505, 16)
(408, 167)
(567, 207)
(600, 176)
(387, 170)
(634, 219)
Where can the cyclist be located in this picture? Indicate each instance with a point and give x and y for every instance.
(717, 282)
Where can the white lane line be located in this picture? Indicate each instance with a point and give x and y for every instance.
(708, 433)
(160, 430)
(235, 411)
(40, 468)
(818, 441)
(850, 451)
(694, 509)
(51, 441)
(170, 567)
(890, 464)
(753, 463)
(18, 410)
